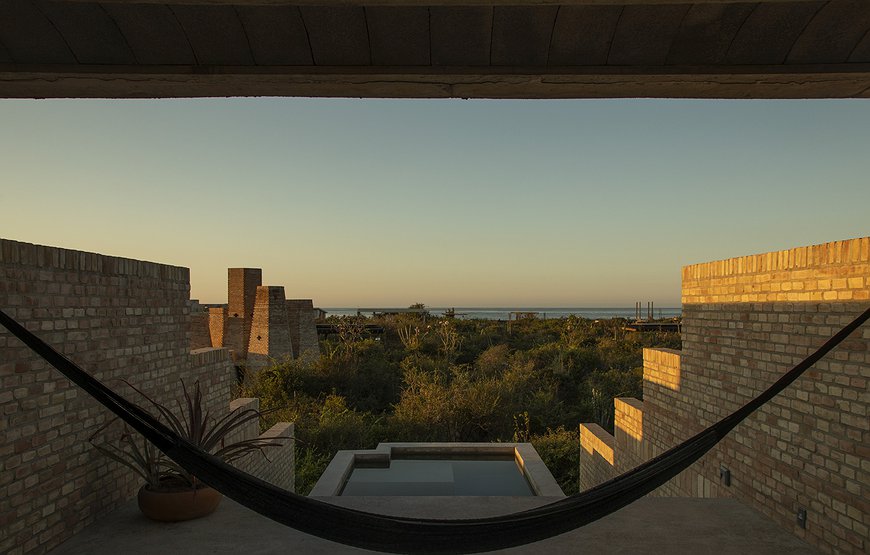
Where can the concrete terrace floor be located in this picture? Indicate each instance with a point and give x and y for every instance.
(671, 526)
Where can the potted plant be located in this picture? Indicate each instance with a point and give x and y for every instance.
(171, 494)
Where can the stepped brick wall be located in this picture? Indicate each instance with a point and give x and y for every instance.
(596, 455)
(628, 433)
(746, 321)
(120, 319)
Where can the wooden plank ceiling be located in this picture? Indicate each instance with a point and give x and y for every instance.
(703, 49)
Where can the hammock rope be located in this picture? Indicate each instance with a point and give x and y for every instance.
(396, 534)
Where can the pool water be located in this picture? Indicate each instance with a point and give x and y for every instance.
(421, 477)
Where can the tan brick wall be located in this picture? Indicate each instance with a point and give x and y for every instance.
(217, 320)
(806, 447)
(234, 338)
(662, 367)
(303, 330)
(277, 465)
(596, 455)
(745, 322)
(838, 271)
(242, 286)
(119, 319)
(200, 335)
(628, 432)
(270, 328)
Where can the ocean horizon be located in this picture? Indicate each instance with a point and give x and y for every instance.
(502, 313)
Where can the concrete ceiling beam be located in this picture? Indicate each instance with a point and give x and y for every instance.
(811, 81)
(426, 3)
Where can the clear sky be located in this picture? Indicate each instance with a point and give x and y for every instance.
(594, 203)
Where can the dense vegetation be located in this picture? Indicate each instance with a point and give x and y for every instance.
(430, 379)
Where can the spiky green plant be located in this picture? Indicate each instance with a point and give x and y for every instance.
(192, 422)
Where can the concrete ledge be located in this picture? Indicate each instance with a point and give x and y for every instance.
(281, 429)
(245, 403)
(208, 355)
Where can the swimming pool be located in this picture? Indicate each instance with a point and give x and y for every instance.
(438, 469)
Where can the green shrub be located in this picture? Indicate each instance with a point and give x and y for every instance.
(560, 451)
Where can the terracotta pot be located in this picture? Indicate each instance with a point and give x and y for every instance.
(175, 506)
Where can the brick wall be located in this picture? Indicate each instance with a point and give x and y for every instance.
(628, 433)
(303, 330)
(270, 329)
(242, 286)
(255, 327)
(596, 455)
(746, 321)
(200, 335)
(835, 271)
(119, 319)
(234, 339)
(277, 465)
(217, 320)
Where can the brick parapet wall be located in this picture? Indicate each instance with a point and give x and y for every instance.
(837, 271)
(120, 320)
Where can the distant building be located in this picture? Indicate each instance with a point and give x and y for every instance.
(258, 324)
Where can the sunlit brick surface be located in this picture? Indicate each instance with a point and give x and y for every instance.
(745, 322)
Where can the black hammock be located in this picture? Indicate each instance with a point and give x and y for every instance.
(416, 535)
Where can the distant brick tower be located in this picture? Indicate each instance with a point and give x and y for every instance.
(242, 284)
(270, 328)
(303, 330)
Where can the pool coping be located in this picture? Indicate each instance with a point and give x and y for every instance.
(540, 478)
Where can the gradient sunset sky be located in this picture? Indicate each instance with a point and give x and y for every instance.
(594, 203)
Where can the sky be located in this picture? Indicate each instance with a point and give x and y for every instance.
(466, 203)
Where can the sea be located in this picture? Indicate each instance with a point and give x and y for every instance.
(503, 313)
